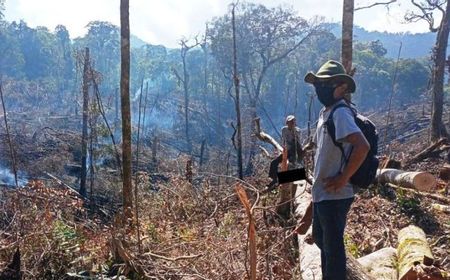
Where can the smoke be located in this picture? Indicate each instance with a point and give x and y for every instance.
(7, 178)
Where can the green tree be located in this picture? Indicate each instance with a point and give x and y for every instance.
(102, 39)
(264, 37)
(12, 60)
(65, 60)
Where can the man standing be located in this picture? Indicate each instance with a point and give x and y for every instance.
(332, 193)
(290, 140)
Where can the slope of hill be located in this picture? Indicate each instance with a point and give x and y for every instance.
(413, 45)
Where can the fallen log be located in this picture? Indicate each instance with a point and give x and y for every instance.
(413, 249)
(61, 183)
(422, 181)
(309, 253)
(381, 264)
(304, 209)
(426, 152)
(423, 194)
(310, 263)
(441, 208)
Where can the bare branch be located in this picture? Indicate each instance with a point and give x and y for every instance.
(266, 137)
(427, 14)
(375, 4)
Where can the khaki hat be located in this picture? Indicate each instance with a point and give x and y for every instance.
(331, 71)
(290, 118)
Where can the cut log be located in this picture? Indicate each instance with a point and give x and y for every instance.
(355, 271)
(444, 172)
(309, 253)
(413, 249)
(422, 181)
(381, 264)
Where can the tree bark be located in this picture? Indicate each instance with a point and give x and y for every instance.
(85, 123)
(125, 106)
(412, 249)
(237, 100)
(184, 50)
(347, 35)
(422, 181)
(438, 129)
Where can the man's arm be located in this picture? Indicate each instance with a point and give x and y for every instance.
(359, 152)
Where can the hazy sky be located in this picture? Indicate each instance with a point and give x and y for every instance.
(167, 21)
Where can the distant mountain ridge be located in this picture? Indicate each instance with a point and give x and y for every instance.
(413, 45)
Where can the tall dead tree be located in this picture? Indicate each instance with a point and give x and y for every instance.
(426, 13)
(84, 142)
(8, 135)
(437, 126)
(185, 48)
(125, 108)
(347, 35)
(236, 97)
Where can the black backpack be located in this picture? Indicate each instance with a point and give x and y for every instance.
(366, 173)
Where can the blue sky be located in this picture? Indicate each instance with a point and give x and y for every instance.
(167, 21)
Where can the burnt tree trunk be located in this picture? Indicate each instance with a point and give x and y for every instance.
(237, 101)
(85, 124)
(437, 126)
(347, 35)
(125, 108)
(184, 51)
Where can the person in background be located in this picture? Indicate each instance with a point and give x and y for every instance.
(290, 140)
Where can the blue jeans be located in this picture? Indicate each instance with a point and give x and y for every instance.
(329, 219)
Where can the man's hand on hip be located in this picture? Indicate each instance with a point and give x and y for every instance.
(334, 184)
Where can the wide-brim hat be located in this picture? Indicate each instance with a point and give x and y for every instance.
(332, 71)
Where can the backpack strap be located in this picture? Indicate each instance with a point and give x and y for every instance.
(331, 129)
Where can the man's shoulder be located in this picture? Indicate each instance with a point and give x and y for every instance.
(343, 110)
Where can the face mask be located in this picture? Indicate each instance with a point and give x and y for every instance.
(325, 94)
